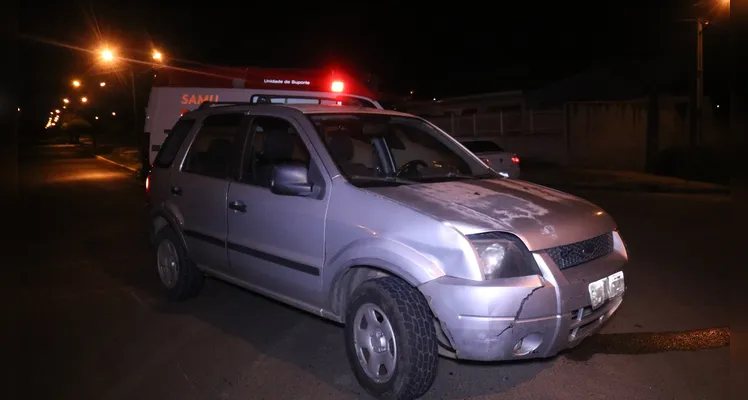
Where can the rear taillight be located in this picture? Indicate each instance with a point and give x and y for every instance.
(515, 160)
(487, 161)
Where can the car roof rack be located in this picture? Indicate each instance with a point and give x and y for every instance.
(208, 104)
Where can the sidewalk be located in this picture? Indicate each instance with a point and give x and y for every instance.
(124, 157)
(579, 178)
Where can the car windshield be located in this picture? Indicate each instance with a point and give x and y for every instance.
(376, 150)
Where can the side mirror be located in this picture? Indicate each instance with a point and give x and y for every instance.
(291, 180)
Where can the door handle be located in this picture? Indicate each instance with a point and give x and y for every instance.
(238, 205)
(176, 190)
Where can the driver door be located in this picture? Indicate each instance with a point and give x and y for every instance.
(276, 242)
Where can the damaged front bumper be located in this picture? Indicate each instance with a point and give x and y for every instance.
(519, 318)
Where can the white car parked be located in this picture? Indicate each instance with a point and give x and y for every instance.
(502, 161)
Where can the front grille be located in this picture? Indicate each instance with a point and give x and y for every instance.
(571, 255)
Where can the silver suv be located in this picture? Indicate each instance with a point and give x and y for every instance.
(381, 221)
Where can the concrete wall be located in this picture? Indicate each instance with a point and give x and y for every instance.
(536, 136)
(674, 123)
(609, 135)
(613, 135)
(604, 134)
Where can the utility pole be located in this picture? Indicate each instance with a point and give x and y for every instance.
(134, 105)
(699, 96)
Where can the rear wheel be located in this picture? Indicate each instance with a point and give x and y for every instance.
(390, 339)
(179, 275)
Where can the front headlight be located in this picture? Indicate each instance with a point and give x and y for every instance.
(503, 255)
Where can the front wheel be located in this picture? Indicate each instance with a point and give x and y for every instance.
(390, 339)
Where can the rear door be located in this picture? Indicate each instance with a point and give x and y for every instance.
(158, 181)
(198, 189)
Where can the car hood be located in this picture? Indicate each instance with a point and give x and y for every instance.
(540, 216)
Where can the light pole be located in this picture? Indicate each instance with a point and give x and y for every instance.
(696, 118)
(108, 57)
(698, 101)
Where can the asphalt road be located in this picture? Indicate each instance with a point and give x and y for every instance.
(87, 320)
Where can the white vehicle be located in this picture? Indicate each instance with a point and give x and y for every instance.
(502, 161)
(175, 92)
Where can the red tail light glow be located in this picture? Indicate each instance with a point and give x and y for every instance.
(487, 161)
(515, 160)
(337, 86)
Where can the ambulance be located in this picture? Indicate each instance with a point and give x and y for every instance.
(177, 91)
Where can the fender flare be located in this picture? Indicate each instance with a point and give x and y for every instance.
(170, 220)
(384, 254)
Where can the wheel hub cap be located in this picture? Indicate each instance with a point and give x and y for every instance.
(168, 263)
(375, 343)
(378, 341)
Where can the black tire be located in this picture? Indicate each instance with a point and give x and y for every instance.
(412, 324)
(189, 279)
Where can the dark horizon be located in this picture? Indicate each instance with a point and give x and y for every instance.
(435, 55)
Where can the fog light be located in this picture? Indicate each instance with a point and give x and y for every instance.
(528, 344)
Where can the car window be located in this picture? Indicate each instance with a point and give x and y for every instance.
(368, 148)
(172, 143)
(271, 142)
(482, 146)
(212, 151)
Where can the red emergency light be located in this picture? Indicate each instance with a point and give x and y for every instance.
(263, 78)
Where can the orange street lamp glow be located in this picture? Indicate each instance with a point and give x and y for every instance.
(96, 117)
(107, 55)
(102, 84)
(114, 113)
(57, 111)
(84, 100)
(76, 83)
(66, 101)
(157, 55)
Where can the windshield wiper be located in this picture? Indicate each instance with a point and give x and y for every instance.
(459, 176)
(384, 179)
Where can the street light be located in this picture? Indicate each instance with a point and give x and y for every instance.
(107, 55)
(114, 114)
(84, 100)
(66, 101)
(57, 111)
(96, 117)
(157, 55)
(102, 84)
(76, 83)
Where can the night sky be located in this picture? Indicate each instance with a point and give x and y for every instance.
(453, 49)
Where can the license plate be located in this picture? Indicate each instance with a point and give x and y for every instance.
(606, 288)
(615, 284)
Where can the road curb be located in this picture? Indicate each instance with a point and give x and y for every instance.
(131, 169)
